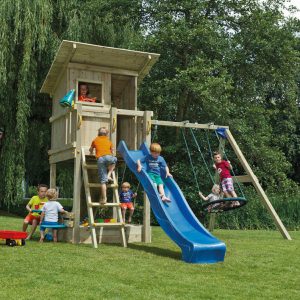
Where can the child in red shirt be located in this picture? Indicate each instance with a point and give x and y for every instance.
(223, 167)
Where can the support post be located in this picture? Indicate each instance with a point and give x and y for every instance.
(113, 138)
(257, 186)
(77, 178)
(146, 220)
(52, 176)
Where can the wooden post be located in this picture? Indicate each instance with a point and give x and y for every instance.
(146, 219)
(113, 138)
(257, 186)
(77, 177)
(52, 176)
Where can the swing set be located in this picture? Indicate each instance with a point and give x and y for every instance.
(225, 204)
(222, 204)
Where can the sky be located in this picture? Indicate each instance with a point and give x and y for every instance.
(297, 4)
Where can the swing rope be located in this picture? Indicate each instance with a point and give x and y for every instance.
(199, 149)
(223, 150)
(190, 158)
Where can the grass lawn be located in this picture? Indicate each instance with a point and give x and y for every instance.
(258, 265)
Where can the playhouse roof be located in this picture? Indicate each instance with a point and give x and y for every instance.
(138, 62)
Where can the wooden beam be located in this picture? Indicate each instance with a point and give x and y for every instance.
(52, 176)
(62, 156)
(94, 68)
(242, 178)
(187, 125)
(62, 149)
(257, 186)
(133, 113)
(77, 183)
(146, 220)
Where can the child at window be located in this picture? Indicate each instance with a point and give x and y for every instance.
(84, 93)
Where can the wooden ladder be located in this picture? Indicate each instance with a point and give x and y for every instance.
(91, 205)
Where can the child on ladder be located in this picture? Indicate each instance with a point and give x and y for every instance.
(126, 196)
(223, 167)
(154, 162)
(105, 160)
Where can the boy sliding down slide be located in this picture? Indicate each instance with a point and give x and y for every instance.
(154, 162)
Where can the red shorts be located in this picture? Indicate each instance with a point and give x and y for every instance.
(29, 218)
(126, 205)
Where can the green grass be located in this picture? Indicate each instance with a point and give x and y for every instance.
(258, 265)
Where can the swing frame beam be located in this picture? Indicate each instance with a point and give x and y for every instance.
(249, 177)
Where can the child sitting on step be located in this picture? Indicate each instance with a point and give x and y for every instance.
(50, 212)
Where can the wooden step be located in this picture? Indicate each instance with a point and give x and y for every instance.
(90, 166)
(98, 185)
(108, 204)
(109, 224)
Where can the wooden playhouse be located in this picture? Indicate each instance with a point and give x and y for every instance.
(112, 76)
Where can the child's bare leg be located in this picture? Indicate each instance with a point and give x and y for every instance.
(25, 225)
(162, 193)
(130, 215)
(103, 197)
(110, 170)
(33, 228)
(54, 235)
(42, 232)
(123, 213)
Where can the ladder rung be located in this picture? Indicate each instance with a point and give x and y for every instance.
(90, 166)
(95, 185)
(109, 224)
(109, 204)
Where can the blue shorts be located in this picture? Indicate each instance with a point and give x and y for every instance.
(103, 162)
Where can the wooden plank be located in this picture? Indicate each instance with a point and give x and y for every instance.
(97, 204)
(62, 156)
(133, 113)
(242, 179)
(59, 116)
(52, 176)
(88, 199)
(77, 185)
(265, 200)
(108, 225)
(103, 69)
(146, 212)
(187, 125)
(98, 185)
(62, 149)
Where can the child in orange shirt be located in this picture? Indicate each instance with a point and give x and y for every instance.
(105, 160)
(83, 94)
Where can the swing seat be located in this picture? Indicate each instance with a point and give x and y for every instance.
(224, 204)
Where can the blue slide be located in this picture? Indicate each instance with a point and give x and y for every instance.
(176, 218)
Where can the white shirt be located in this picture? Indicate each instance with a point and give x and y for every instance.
(51, 210)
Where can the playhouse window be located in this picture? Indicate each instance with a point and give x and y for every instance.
(90, 92)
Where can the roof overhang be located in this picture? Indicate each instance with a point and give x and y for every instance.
(81, 53)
